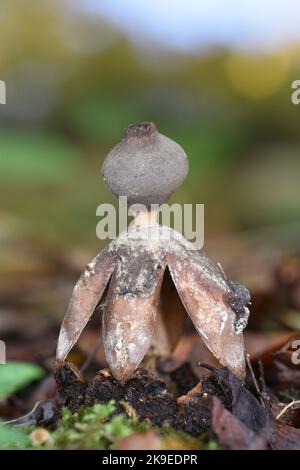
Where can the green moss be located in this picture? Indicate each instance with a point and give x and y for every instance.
(13, 438)
(93, 428)
(99, 428)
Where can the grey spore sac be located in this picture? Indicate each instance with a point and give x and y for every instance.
(146, 166)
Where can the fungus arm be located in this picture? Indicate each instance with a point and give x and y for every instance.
(206, 295)
(86, 294)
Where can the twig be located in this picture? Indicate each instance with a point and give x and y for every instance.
(261, 373)
(289, 405)
(254, 379)
(222, 269)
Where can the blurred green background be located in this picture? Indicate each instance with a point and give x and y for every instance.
(75, 79)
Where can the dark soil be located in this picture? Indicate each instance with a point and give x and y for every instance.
(145, 395)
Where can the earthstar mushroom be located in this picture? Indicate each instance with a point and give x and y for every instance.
(147, 168)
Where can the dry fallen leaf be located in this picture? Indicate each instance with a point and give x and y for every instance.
(231, 432)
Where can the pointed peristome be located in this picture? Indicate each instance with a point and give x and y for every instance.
(86, 294)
